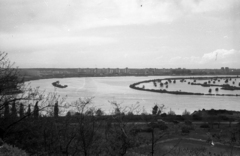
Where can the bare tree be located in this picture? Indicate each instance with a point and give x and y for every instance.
(14, 90)
(119, 134)
(88, 129)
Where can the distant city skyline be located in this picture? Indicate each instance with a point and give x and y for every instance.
(192, 34)
(37, 73)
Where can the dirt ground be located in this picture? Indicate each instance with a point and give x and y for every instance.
(199, 142)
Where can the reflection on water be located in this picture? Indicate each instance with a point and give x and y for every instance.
(105, 89)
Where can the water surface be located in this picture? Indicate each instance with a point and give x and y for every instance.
(106, 89)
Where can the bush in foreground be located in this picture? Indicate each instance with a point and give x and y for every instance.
(8, 150)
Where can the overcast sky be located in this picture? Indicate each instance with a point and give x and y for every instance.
(121, 33)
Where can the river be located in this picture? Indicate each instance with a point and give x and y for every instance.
(107, 89)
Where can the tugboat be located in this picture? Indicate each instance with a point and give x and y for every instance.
(57, 84)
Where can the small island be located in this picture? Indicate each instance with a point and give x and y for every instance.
(57, 84)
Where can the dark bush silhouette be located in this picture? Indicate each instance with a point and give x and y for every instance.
(6, 109)
(21, 110)
(13, 110)
(188, 122)
(29, 110)
(197, 117)
(56, 109)
(185, 130)
(204, 125)
(36, 110)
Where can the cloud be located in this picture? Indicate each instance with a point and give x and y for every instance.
(203, 6)
(42, 41)
(109, 29)
(220, 54)
(36, 15)
(217, 58)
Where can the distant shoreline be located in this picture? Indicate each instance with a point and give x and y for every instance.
(85, 76)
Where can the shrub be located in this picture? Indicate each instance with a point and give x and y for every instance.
(175, 122)
(186, 130)
(204, 125)
(197, 117)
(179, 118)
(160, 125)
(163, 115)
(187, 122)
(163, 126)
(224, 118)
(8, 150)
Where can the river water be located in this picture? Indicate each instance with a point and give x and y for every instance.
(107, 89)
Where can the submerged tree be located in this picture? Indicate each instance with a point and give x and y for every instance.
(154, 83)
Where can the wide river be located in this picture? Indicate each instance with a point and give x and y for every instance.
(107, 89)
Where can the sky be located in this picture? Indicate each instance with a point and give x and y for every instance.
(121, 33)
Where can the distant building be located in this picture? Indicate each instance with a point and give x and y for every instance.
(126, 70)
